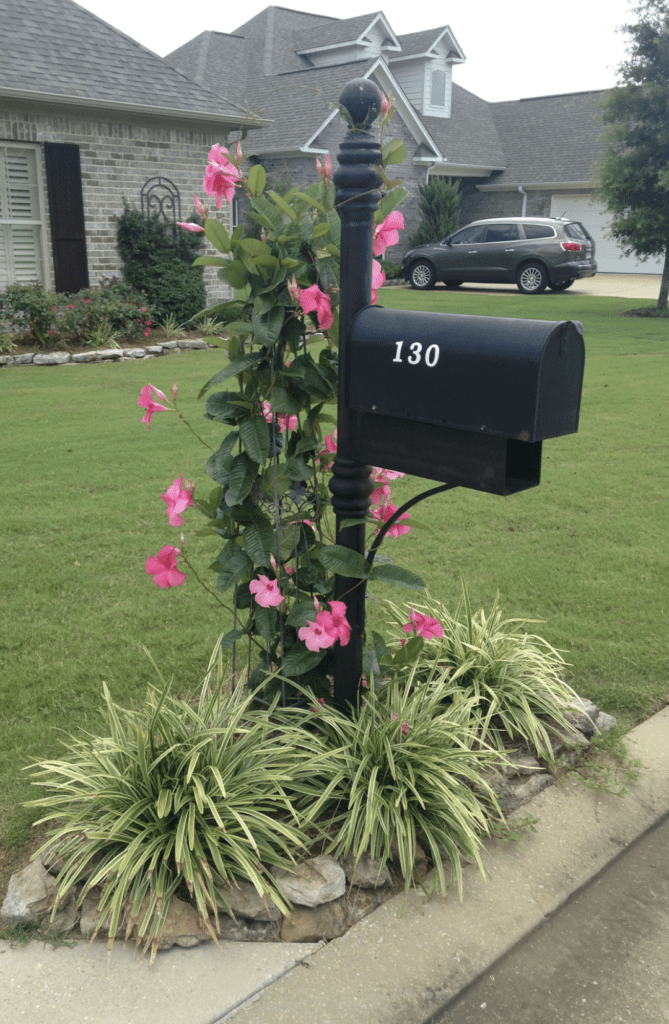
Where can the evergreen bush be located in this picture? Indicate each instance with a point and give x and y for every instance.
(439, 205)
(160, 264)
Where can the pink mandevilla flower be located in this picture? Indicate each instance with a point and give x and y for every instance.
(189, 226)
(286, 421)
(385, 105)
(404, 725)
(378, 278)
(334, 622)
(177, 500)
(387, 233)
(313, 300)
(315, 635)
(325, 168)
(423, 625)
(221, 176)
(381, 475)
(163, 568)
(266, 591)
(238, 154)
(330, 441)
(384, 513)
(381, 495)
(147, 402)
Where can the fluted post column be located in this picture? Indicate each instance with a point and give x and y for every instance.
(357, 181)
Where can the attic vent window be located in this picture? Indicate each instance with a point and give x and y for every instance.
(438, 95)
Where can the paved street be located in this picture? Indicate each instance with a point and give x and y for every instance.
(602, 958)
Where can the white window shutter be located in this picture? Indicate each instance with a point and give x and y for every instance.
(20, 217)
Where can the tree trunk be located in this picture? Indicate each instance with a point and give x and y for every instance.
(664, 283)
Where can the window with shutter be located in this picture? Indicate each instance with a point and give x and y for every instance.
(20, 217)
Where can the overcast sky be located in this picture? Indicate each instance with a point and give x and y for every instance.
(513, 48)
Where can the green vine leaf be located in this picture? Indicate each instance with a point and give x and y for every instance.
(236, 565)
(344, 562)
(399, 577)
(297, 662)
(257, 179)
(241, 478)
(217, 235)
(236, 274)
(254, 434)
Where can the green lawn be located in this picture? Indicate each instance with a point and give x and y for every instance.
(586, 551)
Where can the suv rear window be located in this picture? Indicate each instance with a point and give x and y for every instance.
(539, 231)
(575, 230)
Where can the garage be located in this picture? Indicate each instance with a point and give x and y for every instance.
(592, 214)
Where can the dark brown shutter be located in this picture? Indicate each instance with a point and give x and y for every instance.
(66, 213)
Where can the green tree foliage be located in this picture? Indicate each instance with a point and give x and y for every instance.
(634, 179)
(160, 264)
(439, 208)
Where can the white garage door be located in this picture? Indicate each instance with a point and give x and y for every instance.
(595, 218)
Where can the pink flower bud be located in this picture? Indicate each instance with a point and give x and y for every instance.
(200, 207)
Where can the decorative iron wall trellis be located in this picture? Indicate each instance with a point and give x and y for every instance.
(160, 196)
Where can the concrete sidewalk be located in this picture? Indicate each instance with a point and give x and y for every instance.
(400, 965)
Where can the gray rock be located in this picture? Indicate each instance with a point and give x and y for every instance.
(247, 931)
(367, 873)
(569, 743)
(420, 860)
(584, 718)
(360, 902)
(604, 722)
(29, 893)
(519, 793)
(135, 353)
(522, 763)
(192, 343)
(84, 357)
(154, 350)
(182, 925)
(169, 345)
(6, 360)
(51, 358)
(109, 353)
(24, 359)
(243, 900)
(306, 924)
(90, 919)
(314, 881)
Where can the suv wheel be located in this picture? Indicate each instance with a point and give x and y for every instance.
(532, 279)
(422, 276)
(562, 286)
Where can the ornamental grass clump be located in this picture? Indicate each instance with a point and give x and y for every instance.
(511, 677)
(177, 796)
(405, 766)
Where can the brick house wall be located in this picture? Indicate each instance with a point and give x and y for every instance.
(117, 157)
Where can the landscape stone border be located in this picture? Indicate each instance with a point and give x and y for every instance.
(323, 907)
(115, 355)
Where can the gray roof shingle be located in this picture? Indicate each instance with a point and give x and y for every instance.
(469, 136)
(550, 138)
(345, 31)
(82, 56)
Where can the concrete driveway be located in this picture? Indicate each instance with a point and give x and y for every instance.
(625, 286)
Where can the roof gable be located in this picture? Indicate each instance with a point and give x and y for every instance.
(90, 62)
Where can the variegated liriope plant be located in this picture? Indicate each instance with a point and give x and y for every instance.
(274, 399)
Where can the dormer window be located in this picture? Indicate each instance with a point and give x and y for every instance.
(438, 90)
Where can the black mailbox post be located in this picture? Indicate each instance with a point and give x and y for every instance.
(466, 400)
(463, 399)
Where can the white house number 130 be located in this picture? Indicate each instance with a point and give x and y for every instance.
(416, 354)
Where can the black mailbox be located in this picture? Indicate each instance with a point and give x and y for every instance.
(465, 400)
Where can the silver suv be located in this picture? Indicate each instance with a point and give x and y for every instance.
(535, 252)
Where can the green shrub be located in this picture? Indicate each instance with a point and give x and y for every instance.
(160, 264)
(176, 795)
(439, 204)
(406, 766)
(111, 307)
(27, 308)
(512, 677)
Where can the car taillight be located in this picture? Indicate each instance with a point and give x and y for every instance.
(572, 246)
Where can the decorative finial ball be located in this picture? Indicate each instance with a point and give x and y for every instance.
(363, 100)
